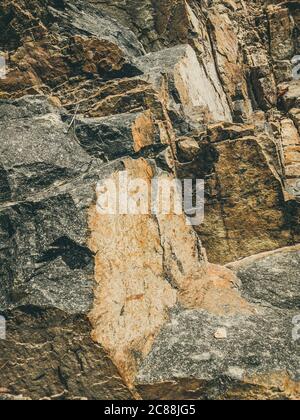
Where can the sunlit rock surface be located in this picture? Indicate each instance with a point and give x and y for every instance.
(147, 306)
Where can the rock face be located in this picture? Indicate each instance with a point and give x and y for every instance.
(200, 355)
(124, 306)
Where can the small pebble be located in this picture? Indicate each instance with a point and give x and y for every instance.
(221, 334)
(236, 373)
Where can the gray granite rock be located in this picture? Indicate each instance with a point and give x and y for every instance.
(256, 358)
(107, 138)
(46, 269)
(274, 280)
(35, 150)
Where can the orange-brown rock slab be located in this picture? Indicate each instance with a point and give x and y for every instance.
(145, 264)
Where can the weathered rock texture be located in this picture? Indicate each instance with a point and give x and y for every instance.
(146, 306)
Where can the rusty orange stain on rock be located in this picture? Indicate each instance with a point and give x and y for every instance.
(143, 131)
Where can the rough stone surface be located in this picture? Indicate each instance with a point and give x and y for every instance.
(147, 306)
(250, 357)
